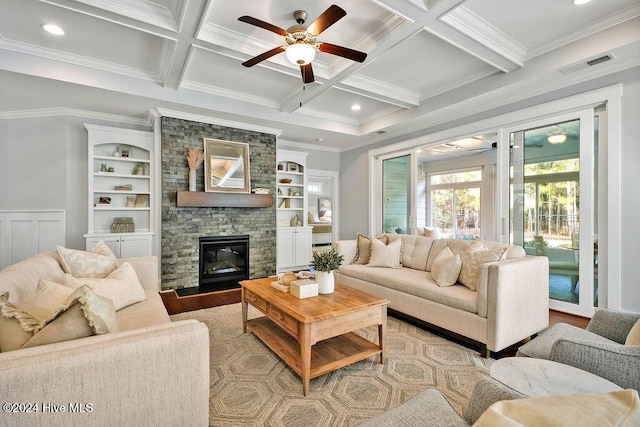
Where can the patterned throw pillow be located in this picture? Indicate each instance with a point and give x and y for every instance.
(382, 255)
(97, 263)
(473, 257)
(446, 268)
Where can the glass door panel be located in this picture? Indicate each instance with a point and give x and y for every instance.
(549, 162)
(396, 187)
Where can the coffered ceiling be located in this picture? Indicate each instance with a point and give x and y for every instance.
(428, 61)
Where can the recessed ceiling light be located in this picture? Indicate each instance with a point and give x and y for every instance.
(53, 29)
(356, 107)
(579, 2)
(320, 139)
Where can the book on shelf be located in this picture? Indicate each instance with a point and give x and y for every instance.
(142, 200)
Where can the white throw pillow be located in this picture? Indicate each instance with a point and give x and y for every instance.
(473, 257)
(122, 286)
(382, 255)
(446, 268)
(97, 263)
(634, 335)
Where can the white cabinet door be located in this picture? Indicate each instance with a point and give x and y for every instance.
(285, 248)
(134, 246)
(293, 247)
(123, 245)
(303, 246)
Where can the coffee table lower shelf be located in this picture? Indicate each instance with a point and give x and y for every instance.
(326, 356)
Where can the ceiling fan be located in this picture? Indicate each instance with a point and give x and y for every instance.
(301, 40)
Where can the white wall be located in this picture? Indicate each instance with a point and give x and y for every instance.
(630, 298)
(43, 165)
(354, 189)
(4, 158)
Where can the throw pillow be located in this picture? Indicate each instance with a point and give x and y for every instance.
(81, 315)
(363, 249)
(122, 286)
(382, 255)
(12, 336)
(33, 312)
(634, 335)
(473, 257)
(97, 263)
(446, 268)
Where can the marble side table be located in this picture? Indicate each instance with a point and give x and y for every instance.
(539, 377)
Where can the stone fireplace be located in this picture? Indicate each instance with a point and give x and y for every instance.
(182, 227)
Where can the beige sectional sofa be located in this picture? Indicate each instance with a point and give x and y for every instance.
(152, 372)
(511, 301)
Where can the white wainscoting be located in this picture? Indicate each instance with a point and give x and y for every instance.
(26, 233)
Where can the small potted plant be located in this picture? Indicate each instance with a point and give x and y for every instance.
(325, 263)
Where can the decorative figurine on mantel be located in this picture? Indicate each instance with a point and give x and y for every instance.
(194, 159)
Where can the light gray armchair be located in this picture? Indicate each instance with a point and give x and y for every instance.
(599, 349)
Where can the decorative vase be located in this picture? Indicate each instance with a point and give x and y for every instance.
(326, 282)
(192, 180)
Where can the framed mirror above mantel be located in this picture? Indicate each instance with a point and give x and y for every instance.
(226, 166)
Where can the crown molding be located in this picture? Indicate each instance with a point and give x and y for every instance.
(162, 112)
(329, 116)
(63, 111)
(281, 143)
(382, 91)
(470, 24)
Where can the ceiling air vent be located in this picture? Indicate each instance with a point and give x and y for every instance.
(381, 132)
(586, 64)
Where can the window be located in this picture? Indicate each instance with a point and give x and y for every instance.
(454, 198)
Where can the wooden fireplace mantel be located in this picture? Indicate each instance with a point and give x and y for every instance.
(223, 200)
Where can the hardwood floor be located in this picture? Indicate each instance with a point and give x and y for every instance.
(571, 319)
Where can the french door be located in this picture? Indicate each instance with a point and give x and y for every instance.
(553, 181)
(395, 200)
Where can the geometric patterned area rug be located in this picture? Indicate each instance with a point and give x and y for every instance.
(251, 386)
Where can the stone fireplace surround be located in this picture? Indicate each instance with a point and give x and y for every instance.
(183, 226)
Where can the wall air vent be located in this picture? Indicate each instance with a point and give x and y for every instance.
(587, 63)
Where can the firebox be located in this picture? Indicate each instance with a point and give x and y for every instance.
(224, 261)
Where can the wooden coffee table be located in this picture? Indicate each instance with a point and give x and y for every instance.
(314, 335)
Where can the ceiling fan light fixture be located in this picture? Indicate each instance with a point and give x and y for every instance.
(557, 138)
(300, 53)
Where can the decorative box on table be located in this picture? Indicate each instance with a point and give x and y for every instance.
(304, 288)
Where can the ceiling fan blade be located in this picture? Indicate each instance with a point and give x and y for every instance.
(307, 73)
(262, 24)
(268, 54)
(345, 52)
(329, 17)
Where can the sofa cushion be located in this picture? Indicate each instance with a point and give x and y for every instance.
(145, 313)
(121, 286)
(541, 346)
(415, 249)
(97, 263)
(446, 268)
(634, 335)
(415, 282)
(458, 246)
(475, 255)
(382, 255)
